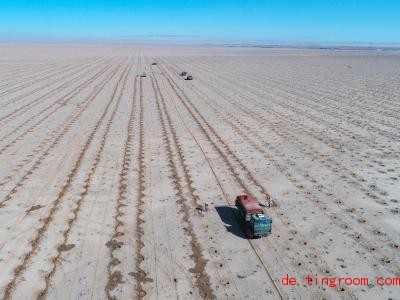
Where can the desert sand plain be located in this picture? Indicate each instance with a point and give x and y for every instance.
(103, 172)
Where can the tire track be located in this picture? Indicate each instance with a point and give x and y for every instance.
(199, 272)
(87, 182)
(59, 132)
(35, 243)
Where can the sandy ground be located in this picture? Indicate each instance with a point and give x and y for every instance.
(103, 172)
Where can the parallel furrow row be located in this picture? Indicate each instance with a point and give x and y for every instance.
(57, 134)
(140, 275)
(36, 241)
(57, 105)
(310, 193)
(87, 182)
(114, 277)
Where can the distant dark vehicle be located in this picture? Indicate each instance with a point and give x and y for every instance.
(154, 64)
(189, 77)
(143, 74)
(183, 73)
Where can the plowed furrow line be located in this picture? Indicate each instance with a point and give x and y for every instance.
(27, 106)
(74, 71)
(372, 109)
(201, 276)
(29, 74)
(20, 71)
(328, 141)
(311, 195)
(326, 90)
(20, 79)
(285, 219)
(178, 91)
(36, 241)
(294, 98)
(53, 134)
(24, 108)
(294, 95)
(140, 275)
(17, 69)
(61, 102)
(114, 276)
(316, 117)
(87, 182)
(305, 93)
(334, 95)
(25, 85)
(360, 181)
(362, 122)
(59, 134)
(346, 174)
(355, 87)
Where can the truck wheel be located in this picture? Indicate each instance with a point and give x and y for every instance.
(247, 233)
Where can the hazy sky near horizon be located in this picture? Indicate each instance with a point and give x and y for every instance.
(376, 21)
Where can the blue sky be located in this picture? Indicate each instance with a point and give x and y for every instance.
(252, 20)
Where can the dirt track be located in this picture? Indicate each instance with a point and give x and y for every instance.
(103, 172)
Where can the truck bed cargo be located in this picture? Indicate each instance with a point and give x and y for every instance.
(249, 204)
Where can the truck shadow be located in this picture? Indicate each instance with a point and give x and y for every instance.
(228, 216)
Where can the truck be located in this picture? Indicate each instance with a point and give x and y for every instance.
(254, 221)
